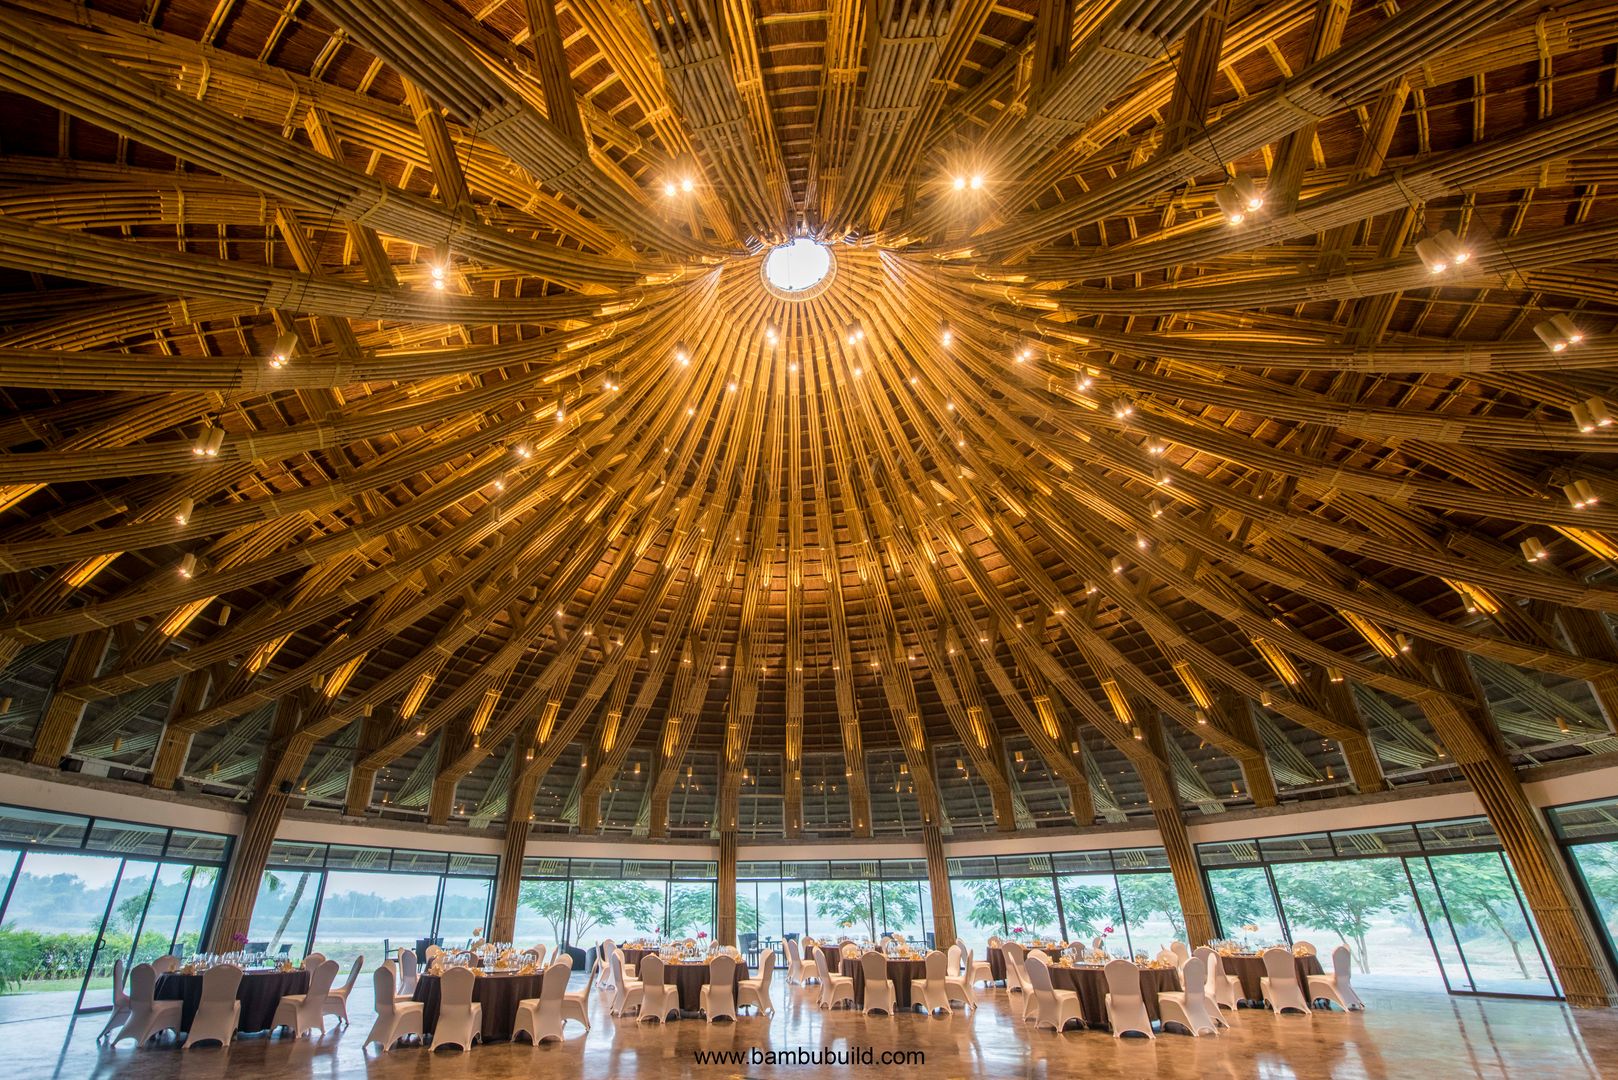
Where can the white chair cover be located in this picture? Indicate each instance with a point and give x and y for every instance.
(120, 1000)
(313, 960)
(337, 1000)
(958, 986)
(1280, 982)
(932, 992)
(719, 992)
(576, 1003)
(604, 964)
(539, 954)
(1306, 948)
(1226, 990)
(147, 1016)
(1181, 951)
(1016, 977)
(1126, 1008)
(219, 1010)
(541, 1018)
(1167, 956)
(1339, 985)
(1213, 972)
(1190, 1007)
(407, 973)
(460, 1019)
(629, 990)
(879, 993)
(834, 986)
(657, 1000)
(978, 971)
(395, 1018)
(1054, 1008)
(166, 965)
(300, 1012)
(756, 992)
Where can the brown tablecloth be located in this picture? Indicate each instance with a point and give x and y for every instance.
(260, 992)
(902, 972)
(1090, 983)
(692, 977)
(997, 960)
(1250, 969)
(632, 958)
(498, 994)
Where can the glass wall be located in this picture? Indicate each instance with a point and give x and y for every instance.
(580, 902)
(1126, 898)
(1432, 906)
(843, 898)
(348, 902)
(1589, 833)
(78, 894)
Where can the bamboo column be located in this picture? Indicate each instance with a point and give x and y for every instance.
(59, 720)
(283, 759)
(175, 745)
(362, 778)
(1236, 714)
(1160, 792)
(1337, 701)
(508, 877)
(725, 927)
(938, 885)
(1469, 735)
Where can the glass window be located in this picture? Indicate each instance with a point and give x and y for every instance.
(542, 914)
(1598, 868)
(283, 912)
(1491, 923)
(1090, 909)
(464, 913)
(1029, 904)
(1365, 904)
(619, 909)
(839, 909)
(978, 914)
(691, 909)
(1246, 907)
(372, 914)
(1151, 906)
(51, 927)
(23, 826)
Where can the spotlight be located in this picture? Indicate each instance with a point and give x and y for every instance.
(976, 183)
(1441, 251)
(1238, 198)
(1590, 414)
(959, 183)
(182, 515)
(1534, 550)
(285, 346)
(188, 566)
(1580, 494)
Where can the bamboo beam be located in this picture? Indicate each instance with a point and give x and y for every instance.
(1194, 76)
(1337, 699)
(59, 719)
(1236, 713)
(1589, 634)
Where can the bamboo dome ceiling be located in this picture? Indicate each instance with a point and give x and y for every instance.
(398, 381)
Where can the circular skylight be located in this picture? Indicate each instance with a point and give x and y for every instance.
(797, 267)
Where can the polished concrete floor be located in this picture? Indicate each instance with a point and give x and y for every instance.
(1404, 1034)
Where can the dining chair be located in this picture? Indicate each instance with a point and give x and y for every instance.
(1211, 983)
(978, 971)
(932, 990)
(396, 1017)
(1053, 1007)
(629, 992)
(718, 997)
(834, 985)
(337, 1000)
(1181, 951)
(300, 1012)
(879, 993)
(1339, 985)
(120, 1000)
(604, 964)
(313, 960)
(147, 1016)
(541, 1018)
(1126, 1006)
(657, 998)
(219, 1011)
(576, 1003)
(460, 1019)
(166, 965)
(1279, 983)
(958, 984)
(756, 992)
(1189, 1006)
(407, 973)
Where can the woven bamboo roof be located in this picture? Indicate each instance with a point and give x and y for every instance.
(514, 464)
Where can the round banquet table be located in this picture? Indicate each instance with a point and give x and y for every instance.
(997, 960)
(902, 972)
(1090, 983)
(689, 977)
(498, 994)
(260, 992)
(632, 958)
(1250, 969)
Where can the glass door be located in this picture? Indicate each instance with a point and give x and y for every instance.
(1480, 926)
(124, 927)
(55, 912)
